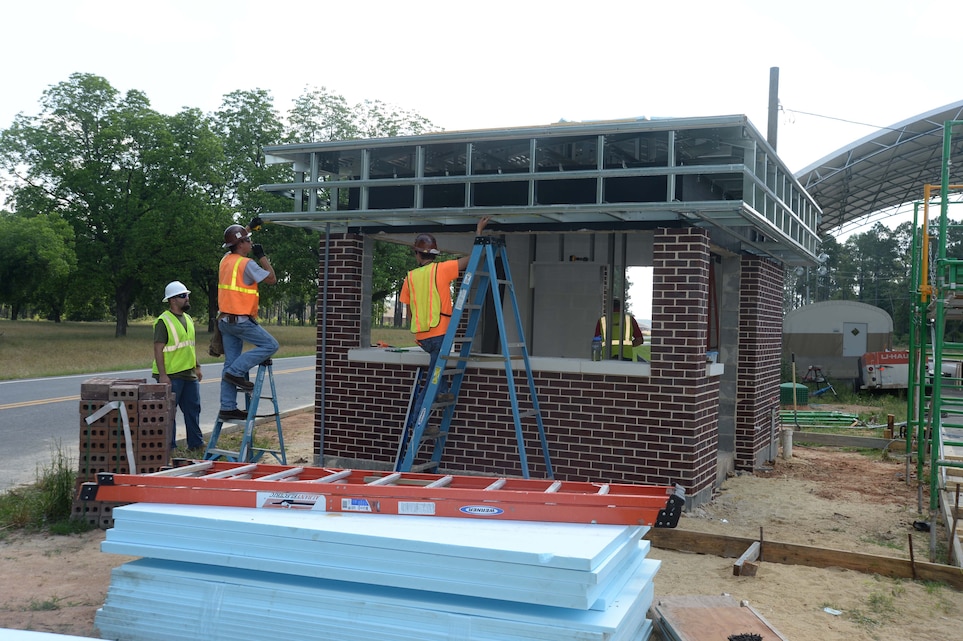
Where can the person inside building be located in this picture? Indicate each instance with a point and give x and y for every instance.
(175, 362)
(237, 302)
(427, 293)
(626, 334)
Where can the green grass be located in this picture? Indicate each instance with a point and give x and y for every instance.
(47, 504)
(33, 349)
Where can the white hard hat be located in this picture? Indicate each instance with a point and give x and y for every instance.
(173, 289)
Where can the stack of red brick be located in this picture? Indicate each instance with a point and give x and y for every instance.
(104, 443)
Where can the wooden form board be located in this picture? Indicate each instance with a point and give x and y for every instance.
(708, 618)
(793, 554)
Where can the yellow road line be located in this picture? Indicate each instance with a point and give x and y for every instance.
(40, 401)
(45, 401)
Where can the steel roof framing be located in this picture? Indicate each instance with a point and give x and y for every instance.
(715, 172)
(873, 176)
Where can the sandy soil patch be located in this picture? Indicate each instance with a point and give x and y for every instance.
(822, 497)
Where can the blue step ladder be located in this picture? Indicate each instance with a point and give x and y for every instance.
(479, 281)
(247, 452)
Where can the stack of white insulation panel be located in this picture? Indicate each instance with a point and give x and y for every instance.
(238, 573)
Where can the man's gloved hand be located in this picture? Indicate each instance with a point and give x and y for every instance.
(255, 223)
(258, 250)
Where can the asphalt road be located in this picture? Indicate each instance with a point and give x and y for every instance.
(40, 416)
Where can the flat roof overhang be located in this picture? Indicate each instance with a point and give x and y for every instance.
(607, 176)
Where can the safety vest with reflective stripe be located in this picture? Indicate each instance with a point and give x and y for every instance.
(179, 352)
(626, 324)
(425, 301)
(233, 295)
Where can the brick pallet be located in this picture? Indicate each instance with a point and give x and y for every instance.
(104, 445)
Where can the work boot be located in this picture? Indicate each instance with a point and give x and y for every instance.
(240, 383)
(232, 415)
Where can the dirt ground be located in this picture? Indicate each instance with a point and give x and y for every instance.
(821, 497)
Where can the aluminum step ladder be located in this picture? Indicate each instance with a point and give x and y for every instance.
(247, 452)
(480, 281)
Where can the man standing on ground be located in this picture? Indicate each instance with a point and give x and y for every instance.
(626, 333)
(175, 362)
(427, 293)
(237, 301)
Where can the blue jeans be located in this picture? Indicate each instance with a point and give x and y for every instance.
(234, 335)
(433, 347)
(187, 396)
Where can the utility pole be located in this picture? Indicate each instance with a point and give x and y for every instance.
(772, 131)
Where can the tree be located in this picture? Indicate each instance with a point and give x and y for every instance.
(247, 122)
(319, 115)
(38, 256)
(393, 262)
(117, 171)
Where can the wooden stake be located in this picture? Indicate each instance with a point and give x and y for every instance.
(912, 556)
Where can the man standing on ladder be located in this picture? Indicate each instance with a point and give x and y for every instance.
(427, 293)
(237, 301)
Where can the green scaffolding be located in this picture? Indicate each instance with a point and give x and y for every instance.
(935, 400)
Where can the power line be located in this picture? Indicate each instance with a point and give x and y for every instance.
(850, 122)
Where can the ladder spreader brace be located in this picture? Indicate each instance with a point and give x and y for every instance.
(481, 278)
(259, 485)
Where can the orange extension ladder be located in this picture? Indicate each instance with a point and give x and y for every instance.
(256, 485)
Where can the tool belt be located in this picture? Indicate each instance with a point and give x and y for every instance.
(233, 318)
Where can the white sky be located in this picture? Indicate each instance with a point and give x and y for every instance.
(501, 63)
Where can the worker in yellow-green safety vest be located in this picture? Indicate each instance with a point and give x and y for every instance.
(427, 293)
(626, 334)
(175, 362)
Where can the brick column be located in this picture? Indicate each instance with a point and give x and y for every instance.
(688, 403)
(760, 353)
(343, 332)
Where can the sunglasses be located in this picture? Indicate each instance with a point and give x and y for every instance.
(181, 296)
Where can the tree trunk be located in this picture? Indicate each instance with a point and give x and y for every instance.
(122, 300)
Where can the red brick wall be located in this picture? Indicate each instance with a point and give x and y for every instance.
(760, 353)
(656, 430)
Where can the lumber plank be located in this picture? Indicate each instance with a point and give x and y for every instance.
(795, 554)
(842, 440)
(744, 566)
(696, 618)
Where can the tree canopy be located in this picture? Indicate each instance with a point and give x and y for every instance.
(117, 199)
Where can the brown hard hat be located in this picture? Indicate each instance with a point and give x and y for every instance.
(425, 244)
(234, 234)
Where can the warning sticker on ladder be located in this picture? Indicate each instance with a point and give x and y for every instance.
(291, 501)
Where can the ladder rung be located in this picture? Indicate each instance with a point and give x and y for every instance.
(331, 478)
(554, 487)
(386, 480)
(231, 472)
(497, 485)
(185, 470)
(527, 414)
(284, 474)
(444, 481)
